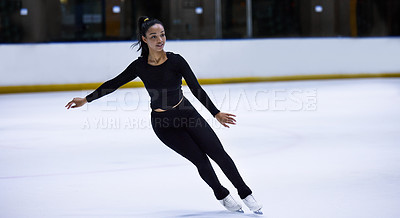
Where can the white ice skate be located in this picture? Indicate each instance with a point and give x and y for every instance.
(253, 205)
(230, 204)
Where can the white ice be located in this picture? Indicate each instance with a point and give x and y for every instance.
(323, 149)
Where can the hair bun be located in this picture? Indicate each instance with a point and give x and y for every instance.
(142, 20)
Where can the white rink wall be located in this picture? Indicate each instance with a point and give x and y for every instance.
(72, 63)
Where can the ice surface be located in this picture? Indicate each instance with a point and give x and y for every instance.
(326, 149)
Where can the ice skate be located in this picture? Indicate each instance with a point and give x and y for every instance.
(230, 204)
(253, 205)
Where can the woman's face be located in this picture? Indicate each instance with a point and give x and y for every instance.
(155, 38)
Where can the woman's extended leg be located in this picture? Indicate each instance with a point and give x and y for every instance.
(180, 141)
(207, 140)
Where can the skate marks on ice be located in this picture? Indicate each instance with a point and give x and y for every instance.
(168, 214)
(202, 214)
(340, 161)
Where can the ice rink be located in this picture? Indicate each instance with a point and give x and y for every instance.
(323, 149)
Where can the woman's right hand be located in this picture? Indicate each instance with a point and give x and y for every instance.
(76, 102)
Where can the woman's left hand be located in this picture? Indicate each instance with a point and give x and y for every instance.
(225, 119)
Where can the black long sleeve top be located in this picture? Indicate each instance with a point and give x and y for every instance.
(162, 82)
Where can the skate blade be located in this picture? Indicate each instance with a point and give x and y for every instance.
(258, 212)
(240, 211)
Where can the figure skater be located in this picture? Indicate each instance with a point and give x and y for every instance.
(174, 120)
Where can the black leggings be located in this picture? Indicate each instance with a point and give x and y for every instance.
(185, 131)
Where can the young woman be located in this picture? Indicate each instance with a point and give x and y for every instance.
(174, 120)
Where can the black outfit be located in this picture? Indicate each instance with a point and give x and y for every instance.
(181, 128)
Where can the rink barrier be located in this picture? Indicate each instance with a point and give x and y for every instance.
(137, 84)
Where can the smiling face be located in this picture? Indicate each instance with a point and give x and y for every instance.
(155, 38)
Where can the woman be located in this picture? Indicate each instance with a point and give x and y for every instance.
(174, 120)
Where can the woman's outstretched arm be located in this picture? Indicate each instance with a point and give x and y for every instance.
(106, 88)
(201, 95)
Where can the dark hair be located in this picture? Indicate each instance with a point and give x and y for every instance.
(144, 23)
